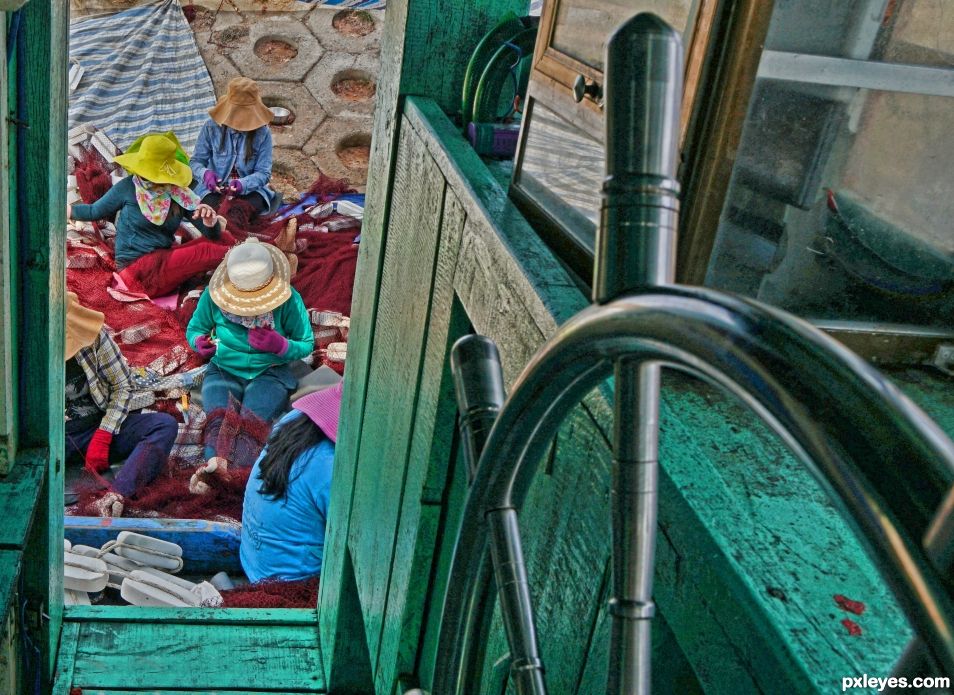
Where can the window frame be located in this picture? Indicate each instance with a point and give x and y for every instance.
(552, 79)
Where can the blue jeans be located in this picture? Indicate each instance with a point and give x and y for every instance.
(144, 441)
(266, 395)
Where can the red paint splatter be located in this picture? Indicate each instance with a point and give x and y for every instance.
(854, 629)
(846, 604)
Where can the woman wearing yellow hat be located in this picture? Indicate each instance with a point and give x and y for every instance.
(233, 155)
(152, 202)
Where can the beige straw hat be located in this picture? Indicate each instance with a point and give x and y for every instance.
(82, 325)
(241, 108)
(253, 278)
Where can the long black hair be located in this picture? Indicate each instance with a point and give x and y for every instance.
(249, 136)
(285, 445)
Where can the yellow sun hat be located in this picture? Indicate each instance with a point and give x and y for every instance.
(180, 152)
(155, 160)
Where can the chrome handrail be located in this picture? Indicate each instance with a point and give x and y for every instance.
(857, 433)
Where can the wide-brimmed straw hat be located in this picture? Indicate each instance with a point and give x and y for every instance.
(180, 152)
(155, 160)
(253, 278)
(82, 325)
(241, 108)
(323, 408)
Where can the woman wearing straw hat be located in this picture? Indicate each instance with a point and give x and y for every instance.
(152, 201)
(103, 421)
(286, 497)
(251, 323)
(233, 155)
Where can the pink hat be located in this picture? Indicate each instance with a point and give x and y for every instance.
(323, 408)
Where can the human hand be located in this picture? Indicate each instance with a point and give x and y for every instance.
(206, 214)
(267, 340)
(111, 504)
(97, 453)
(210, 180)
(69, 212)
(205, 347)
(235, 186)
(214, 466)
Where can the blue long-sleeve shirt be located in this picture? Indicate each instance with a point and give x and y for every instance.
(211, 154)
(285, 539)
(135, 235)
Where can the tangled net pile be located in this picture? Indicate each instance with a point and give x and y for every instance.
(152, 337)
(273, 594)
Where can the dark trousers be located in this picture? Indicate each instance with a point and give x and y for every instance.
(258, 203)
(265, 395)
(144, 441)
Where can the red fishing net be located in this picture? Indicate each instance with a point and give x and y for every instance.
(92, 177)
(235, 436)
(273, 594)
(168, 496)
(146, 332)
(154, 337)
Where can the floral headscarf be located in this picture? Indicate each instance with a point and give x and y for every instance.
(266, 320)
(155, 199)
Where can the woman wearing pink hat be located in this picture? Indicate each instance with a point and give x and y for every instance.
(286, 499)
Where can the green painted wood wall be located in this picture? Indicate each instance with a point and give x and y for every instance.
(751, 553)
(32, 244)
(750, 556)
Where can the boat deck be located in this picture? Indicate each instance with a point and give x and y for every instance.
(130, 650)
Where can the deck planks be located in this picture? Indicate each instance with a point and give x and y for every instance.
(223, 657)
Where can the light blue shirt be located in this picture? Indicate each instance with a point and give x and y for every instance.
(285, 539)
(212, 154)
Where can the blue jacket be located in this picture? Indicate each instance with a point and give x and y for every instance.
(211, 154)
(285, 539)
(135, 235)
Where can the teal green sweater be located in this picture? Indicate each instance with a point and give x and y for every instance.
(234, 354)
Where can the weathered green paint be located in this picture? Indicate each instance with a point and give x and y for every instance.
(157, 655)
(255, 617)
(10, 561)
(19, 494)
(8, 438)
(66, 659)
(420, 55)
(40, 306)
(751, 552)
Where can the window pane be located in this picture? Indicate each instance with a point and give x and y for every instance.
(841, 204)
(583, 26)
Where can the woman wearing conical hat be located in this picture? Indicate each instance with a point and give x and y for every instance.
(251, 325)
(233, 155)
(152, 202)
(104, 422)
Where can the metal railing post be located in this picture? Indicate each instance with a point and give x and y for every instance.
(478, 383)
(636, 249)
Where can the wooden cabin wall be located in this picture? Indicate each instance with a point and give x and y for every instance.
(32, 279)
(750, 553)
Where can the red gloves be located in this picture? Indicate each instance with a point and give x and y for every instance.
(267, 340)
(97, 453)
(205, 347)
